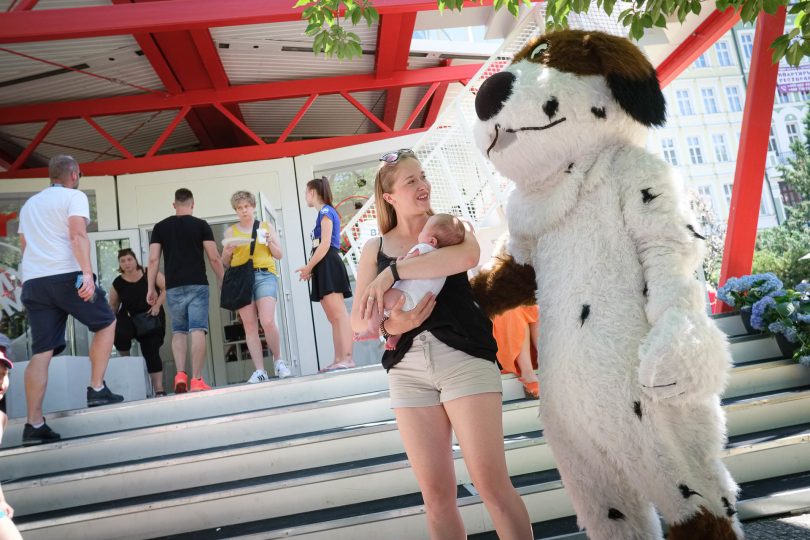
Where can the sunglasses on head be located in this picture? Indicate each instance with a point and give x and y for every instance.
(390, 158)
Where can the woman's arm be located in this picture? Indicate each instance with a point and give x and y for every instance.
(113, 299)
(161, 284)
(321, 250)
(273, 242)
(227, 250)
(440, 263)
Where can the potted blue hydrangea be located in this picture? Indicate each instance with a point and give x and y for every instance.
(786, 314)
(743, 292)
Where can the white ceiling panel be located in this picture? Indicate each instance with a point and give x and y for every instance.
(247, 63)
(285, 32)
(328, 116)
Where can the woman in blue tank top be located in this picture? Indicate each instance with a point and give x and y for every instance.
(443, 374)
(327, 273)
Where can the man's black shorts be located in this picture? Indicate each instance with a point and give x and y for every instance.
(50, 299)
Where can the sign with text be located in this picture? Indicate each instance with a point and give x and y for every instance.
(790, 79)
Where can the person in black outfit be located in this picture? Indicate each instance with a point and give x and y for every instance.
(128, 298)
(443, 374)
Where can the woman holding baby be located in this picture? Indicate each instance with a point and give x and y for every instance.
(443, 374)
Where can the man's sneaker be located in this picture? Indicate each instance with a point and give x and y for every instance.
(181, 383)
(282, 371)
(258, 376)
(198, 385)
(42, 434)
(102, 397)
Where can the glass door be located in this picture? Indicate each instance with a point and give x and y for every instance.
(104, 248)
(284, 306)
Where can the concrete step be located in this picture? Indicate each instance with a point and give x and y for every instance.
(778, 450)
(219, 401)
(277, 393)
(402, 517)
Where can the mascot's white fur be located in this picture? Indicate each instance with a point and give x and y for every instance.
(631, 367)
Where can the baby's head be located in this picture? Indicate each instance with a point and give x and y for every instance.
(442, 230)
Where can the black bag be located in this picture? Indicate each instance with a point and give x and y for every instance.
(237, 285)
(146, 325)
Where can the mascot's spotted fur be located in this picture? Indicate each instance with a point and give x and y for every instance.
(630, 365)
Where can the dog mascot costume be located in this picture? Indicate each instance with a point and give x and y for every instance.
(631, 367)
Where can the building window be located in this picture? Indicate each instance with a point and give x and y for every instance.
(695, 152)
(684, 102)
(709, 103)
(705, 193)
(720, 148)
(727, 188)
(783, 97)
(773, 145)
(805, 95)
(723, 54)
(747, 45)
(670, 155)
(764, 207)
(792, 128)
(733, 96)
(701, 61)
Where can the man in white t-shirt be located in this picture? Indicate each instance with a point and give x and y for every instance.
(58, 281)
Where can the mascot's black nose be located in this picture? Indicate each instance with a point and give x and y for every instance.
(493, 94)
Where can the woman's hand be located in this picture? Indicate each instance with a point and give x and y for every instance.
(400, 321)
(373, 295)
(304, 273)
(155, 310)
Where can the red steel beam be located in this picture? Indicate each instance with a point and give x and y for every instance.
(33, 144)
(238, 123)
(705, 35)
(360, 107)
(420, 105)
(168, 131)
(151, 17)
(298, 116)
(23, 5)
(394, 36)
(112, 140)
(215, 157)
(743, 214)
(20, 114)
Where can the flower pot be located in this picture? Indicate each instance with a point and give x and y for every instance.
(786, 346)
(745, 316)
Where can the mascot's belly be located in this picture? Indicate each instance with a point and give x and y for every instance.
(591, 300)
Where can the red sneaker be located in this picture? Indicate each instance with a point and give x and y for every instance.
(180, 382)
(198, 385)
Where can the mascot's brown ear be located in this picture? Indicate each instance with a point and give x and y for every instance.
(503, 284)
(630, 77)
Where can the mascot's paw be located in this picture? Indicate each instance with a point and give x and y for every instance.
(684, 356)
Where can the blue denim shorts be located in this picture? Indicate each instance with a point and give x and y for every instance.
(188, 307)
(264, 284)
(50, 299)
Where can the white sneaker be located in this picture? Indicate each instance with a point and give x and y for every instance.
(258, 376)
(281, 369)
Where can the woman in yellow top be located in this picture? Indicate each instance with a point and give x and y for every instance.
(265, 285)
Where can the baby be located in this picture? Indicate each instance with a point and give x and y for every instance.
(440, 230)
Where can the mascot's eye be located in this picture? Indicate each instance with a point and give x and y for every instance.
(541, 48)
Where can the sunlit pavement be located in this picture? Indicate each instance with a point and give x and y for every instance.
(787, 528)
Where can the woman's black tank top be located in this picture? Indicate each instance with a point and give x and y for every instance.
(456, 320)
(132, 295)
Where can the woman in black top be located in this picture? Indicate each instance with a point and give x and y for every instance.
(128, 298)
(443, 374)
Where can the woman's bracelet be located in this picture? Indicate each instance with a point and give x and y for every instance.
(383, 332)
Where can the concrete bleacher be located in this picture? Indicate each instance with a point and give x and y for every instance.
(319, 457)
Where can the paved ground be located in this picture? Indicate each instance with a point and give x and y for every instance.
(789, 528)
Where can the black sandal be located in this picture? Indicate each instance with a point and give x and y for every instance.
(160, 394)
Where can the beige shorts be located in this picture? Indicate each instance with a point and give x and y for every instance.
(432, 373)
